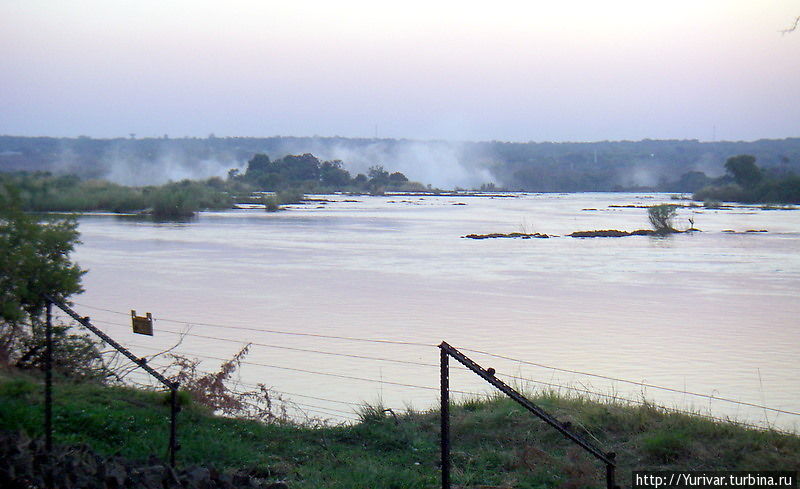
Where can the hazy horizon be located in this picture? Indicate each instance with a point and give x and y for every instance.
(578, 71)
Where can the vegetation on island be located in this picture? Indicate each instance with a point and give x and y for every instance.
(45, 192)
(308, 174)
(748, 183)
(661, 217)
(273, 182)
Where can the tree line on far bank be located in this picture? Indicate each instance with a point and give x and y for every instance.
(600, 166)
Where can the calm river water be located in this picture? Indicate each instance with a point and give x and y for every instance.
(713, 313)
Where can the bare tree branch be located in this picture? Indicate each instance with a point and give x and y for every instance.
(793, 27)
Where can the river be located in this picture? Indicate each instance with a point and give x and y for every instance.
(712, 313)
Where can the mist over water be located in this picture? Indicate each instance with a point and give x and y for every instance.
(169, 167)
(441, 164)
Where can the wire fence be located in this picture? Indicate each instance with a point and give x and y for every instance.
(263, 339)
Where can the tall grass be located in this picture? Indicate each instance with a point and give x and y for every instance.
(494, 442)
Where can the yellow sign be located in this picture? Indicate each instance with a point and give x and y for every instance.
(142, 324)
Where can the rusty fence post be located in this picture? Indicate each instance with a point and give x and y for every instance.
(445, 418)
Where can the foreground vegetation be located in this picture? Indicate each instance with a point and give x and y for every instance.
(495, 443)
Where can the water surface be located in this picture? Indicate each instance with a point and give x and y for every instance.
(711, 312)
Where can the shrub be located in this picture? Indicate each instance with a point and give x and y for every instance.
(214, 390)
(169, 203)
(271, 203)
(661, 217)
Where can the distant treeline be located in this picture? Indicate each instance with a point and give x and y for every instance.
(654, 165)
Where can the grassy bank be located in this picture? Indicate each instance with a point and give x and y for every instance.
(495, 443)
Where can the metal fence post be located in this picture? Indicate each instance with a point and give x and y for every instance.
(445, 418)
(173, 428)
(610, 472)
(48, 394)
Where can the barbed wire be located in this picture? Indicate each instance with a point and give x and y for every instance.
(409, 343)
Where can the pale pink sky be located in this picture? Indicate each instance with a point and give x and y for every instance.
(561, 71)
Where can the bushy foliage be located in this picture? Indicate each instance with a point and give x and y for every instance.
(175, 203)
(661, 217)
(34, 260)
(309, 173)
(752, 185)
(271, 203)
(744, 170)
(45, 192)
(216, 390)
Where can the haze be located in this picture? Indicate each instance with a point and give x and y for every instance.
(514, 71)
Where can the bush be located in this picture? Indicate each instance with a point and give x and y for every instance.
(169, 203)
(271, 203)
(661, 217)
(34, 258)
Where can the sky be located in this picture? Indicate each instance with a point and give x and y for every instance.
(571, 70)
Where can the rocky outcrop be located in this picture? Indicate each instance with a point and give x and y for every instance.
(509, 235)
(611, 233)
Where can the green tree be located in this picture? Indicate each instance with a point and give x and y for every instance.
(743, 169)
(34, 259)
(397, 179)
(333, 175)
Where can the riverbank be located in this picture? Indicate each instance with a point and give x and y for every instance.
(495, 443)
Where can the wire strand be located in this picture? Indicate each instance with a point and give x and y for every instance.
(481, 352)
(633, 382)
(271, 331)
